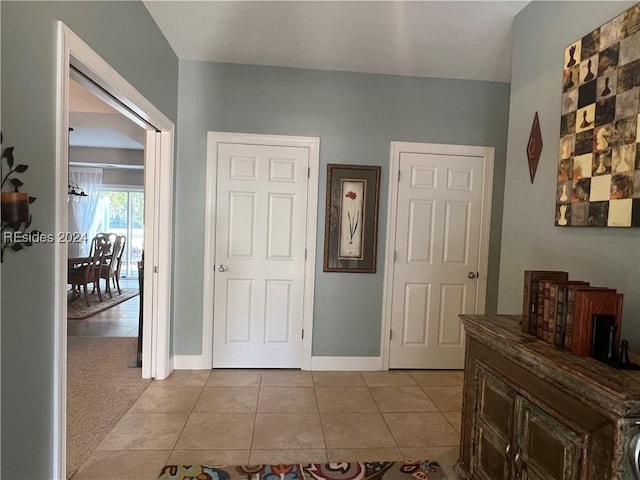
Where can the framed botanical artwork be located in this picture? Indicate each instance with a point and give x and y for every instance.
(351, 222)
(598, 183)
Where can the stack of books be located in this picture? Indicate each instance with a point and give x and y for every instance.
(570, 314)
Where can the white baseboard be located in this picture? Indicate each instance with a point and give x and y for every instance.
(189, 362)
(346, 363)
(196, 362)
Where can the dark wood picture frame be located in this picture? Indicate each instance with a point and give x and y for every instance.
(351, 218)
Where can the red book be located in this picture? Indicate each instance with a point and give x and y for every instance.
(587, 304)
(571, 302)
(561, 304)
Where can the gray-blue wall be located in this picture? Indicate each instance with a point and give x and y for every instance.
(603, 256)
(125, 35)
(356, 117)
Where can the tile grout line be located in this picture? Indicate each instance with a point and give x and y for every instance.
(324, 439)
(255, 418)
(189, 415)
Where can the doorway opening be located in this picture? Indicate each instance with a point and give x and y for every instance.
(77, 59)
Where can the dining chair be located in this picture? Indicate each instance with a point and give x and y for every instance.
(116, 277)
(90, 271)
(111, 237)
(109, 271)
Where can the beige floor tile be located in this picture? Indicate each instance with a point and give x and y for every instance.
(234, 378)
(455, 419)
(167, 400)
(402, 399)
(209, 457)
(227, 400)
(356, 430)
(213, 431)
(429, 429)
(145, 431)
(287, 378)
(390, 378)
(275, 431)
(345, 399)
(132, 465)
(338, 379)
(189, 378)
(363, 454)
(447, 399)
(437, 378)
(461, 374)
(449, 473)
(445, 456)
(286, 457)
(287, 400)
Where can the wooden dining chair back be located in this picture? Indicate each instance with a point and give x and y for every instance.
(116, 277)
(110, 268)
(110, 237)
(90, 271)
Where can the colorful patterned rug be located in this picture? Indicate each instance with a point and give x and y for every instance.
(419, 470)
(77, 309)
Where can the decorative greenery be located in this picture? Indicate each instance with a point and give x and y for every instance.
(15, 183)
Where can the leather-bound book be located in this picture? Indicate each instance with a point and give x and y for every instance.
(561, 304)
(530, 296)
(590, 302)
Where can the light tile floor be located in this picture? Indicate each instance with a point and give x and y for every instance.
(237, 417)
(118, 321)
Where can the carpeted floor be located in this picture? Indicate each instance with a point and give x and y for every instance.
(77, 309)
(100, 390)
(423, 470)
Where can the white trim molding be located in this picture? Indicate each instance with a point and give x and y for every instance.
(313, 145)
(351, 364)
(487, 153)
(73, 51)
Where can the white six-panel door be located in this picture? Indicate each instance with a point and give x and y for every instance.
(438, 227)
(261, 209)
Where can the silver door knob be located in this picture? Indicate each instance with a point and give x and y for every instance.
(222, 268)
(473, 275)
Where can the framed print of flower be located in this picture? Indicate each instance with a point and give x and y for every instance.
(351, 221)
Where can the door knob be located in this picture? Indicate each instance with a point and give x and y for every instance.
(222, 268)
(473, 275)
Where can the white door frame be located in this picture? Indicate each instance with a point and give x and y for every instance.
(313, 144)
(158, 225)
(483, 256)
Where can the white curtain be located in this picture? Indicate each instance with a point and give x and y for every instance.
(82, 213)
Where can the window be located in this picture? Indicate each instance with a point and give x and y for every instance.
(121, 211)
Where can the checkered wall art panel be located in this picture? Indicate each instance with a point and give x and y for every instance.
(599, 159)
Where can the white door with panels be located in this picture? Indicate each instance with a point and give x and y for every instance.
(261, 219)
(441, 212)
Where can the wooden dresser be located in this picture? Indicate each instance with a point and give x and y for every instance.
(533, 411)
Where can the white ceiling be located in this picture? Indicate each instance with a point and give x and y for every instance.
(446, 39)
(96, 124)
(468, 40)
